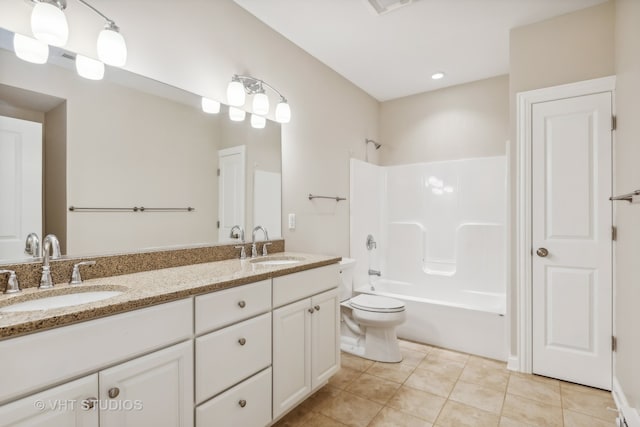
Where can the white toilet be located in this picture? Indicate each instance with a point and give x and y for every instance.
(368, 322)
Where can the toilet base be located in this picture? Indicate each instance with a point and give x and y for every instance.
(380, 345)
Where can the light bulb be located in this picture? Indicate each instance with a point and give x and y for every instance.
(30, 49)
(49, 24)
(235, 93)
(111, 46)
(89, 68)
(210, 106)
(236, 114)
(258, 122)
(260, 104)
(437, 76)
(283, 112)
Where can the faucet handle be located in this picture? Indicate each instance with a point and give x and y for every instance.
(12, 284)
(264, 248)
(76, 279)
(243, 251)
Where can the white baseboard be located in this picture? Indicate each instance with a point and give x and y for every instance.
(629, 414)
(513, 363)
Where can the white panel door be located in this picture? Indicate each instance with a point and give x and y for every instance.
(20, 184)
(231, 190)
(69, 405)
(325, 337)
(571, 235)
(153, 390)
(267, 195)
(291, 355)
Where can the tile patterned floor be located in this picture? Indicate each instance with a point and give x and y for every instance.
(437, 387)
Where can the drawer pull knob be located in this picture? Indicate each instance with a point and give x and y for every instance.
(242, 304)
(242, 341)
(242, 403)
(113, 392)
(311, 310)
(89, 403)
(317, 307)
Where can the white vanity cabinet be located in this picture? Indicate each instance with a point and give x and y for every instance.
(233, 363)
(305, 334)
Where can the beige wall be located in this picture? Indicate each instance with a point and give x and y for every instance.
(627, 217)
(569, 48)
(55, 174)
(198, 45)
(469, 120)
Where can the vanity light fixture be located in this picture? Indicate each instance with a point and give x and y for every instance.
(49, 25)
(30, 50)
(236, 114)
(240, 86)
(210, 106)
(258, 122)
(437, 76)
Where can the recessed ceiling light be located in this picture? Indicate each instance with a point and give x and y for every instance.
(437, 76)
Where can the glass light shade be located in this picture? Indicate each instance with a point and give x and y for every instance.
(260, 104)
(283, 112)
(112, 49)
(49, 24)
(437, 76)
(258, 122)
(210, 106)
(30, 49)
(236, 114)
(235, 93)
(448, 189)
(89, 68)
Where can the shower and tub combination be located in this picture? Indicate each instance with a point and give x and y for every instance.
(433, 235)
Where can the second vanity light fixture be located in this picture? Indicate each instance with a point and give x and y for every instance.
(49, 27)
(240, 86)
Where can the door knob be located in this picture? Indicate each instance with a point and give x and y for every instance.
(542, 252)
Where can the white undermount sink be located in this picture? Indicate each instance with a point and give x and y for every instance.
(273, 261)
(59, 301)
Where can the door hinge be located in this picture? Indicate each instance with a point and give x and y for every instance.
(614, 343)
(218, 171)
(218, 224)
(614, 233)
(614, 122)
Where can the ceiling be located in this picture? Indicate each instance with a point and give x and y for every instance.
(394, 54)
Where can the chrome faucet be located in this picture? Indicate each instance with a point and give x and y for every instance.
(32, 245)
(240, 230)
(12, 283)
(374, 273)
(50, 250)
(76, 278)
(254, 250)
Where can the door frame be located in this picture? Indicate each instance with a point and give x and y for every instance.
(522, 360)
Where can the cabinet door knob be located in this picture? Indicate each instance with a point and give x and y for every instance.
(241, 304)
(317, 307)
(113, 392)
(242, 341)
(542, 252)
(242, 403)
(89, 403)
(311, 310)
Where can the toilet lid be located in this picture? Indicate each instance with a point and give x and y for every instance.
(376, 303)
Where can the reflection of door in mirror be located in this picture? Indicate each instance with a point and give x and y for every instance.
(20, 184)
(231, 190)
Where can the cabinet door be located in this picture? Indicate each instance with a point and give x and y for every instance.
(63, 406)
(291, 355)
(325, 336)
(153, 390)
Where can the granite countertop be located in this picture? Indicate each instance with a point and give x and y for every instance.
(145, 289)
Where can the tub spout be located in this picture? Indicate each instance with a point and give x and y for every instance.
(374, 273)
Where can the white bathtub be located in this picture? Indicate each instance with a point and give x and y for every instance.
(468, 321)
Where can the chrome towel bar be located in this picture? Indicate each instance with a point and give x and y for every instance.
(133, 209)
(628, 197)
(336, 198)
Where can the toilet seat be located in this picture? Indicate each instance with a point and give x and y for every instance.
(376, 304)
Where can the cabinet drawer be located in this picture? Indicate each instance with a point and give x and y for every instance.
(296, 286)
(227, 356)
(222, 308)
(248, 404)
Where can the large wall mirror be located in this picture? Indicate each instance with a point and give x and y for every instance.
(123, 142)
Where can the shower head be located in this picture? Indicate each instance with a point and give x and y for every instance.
(375, 144)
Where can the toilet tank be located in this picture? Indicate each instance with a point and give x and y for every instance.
(347, 266)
